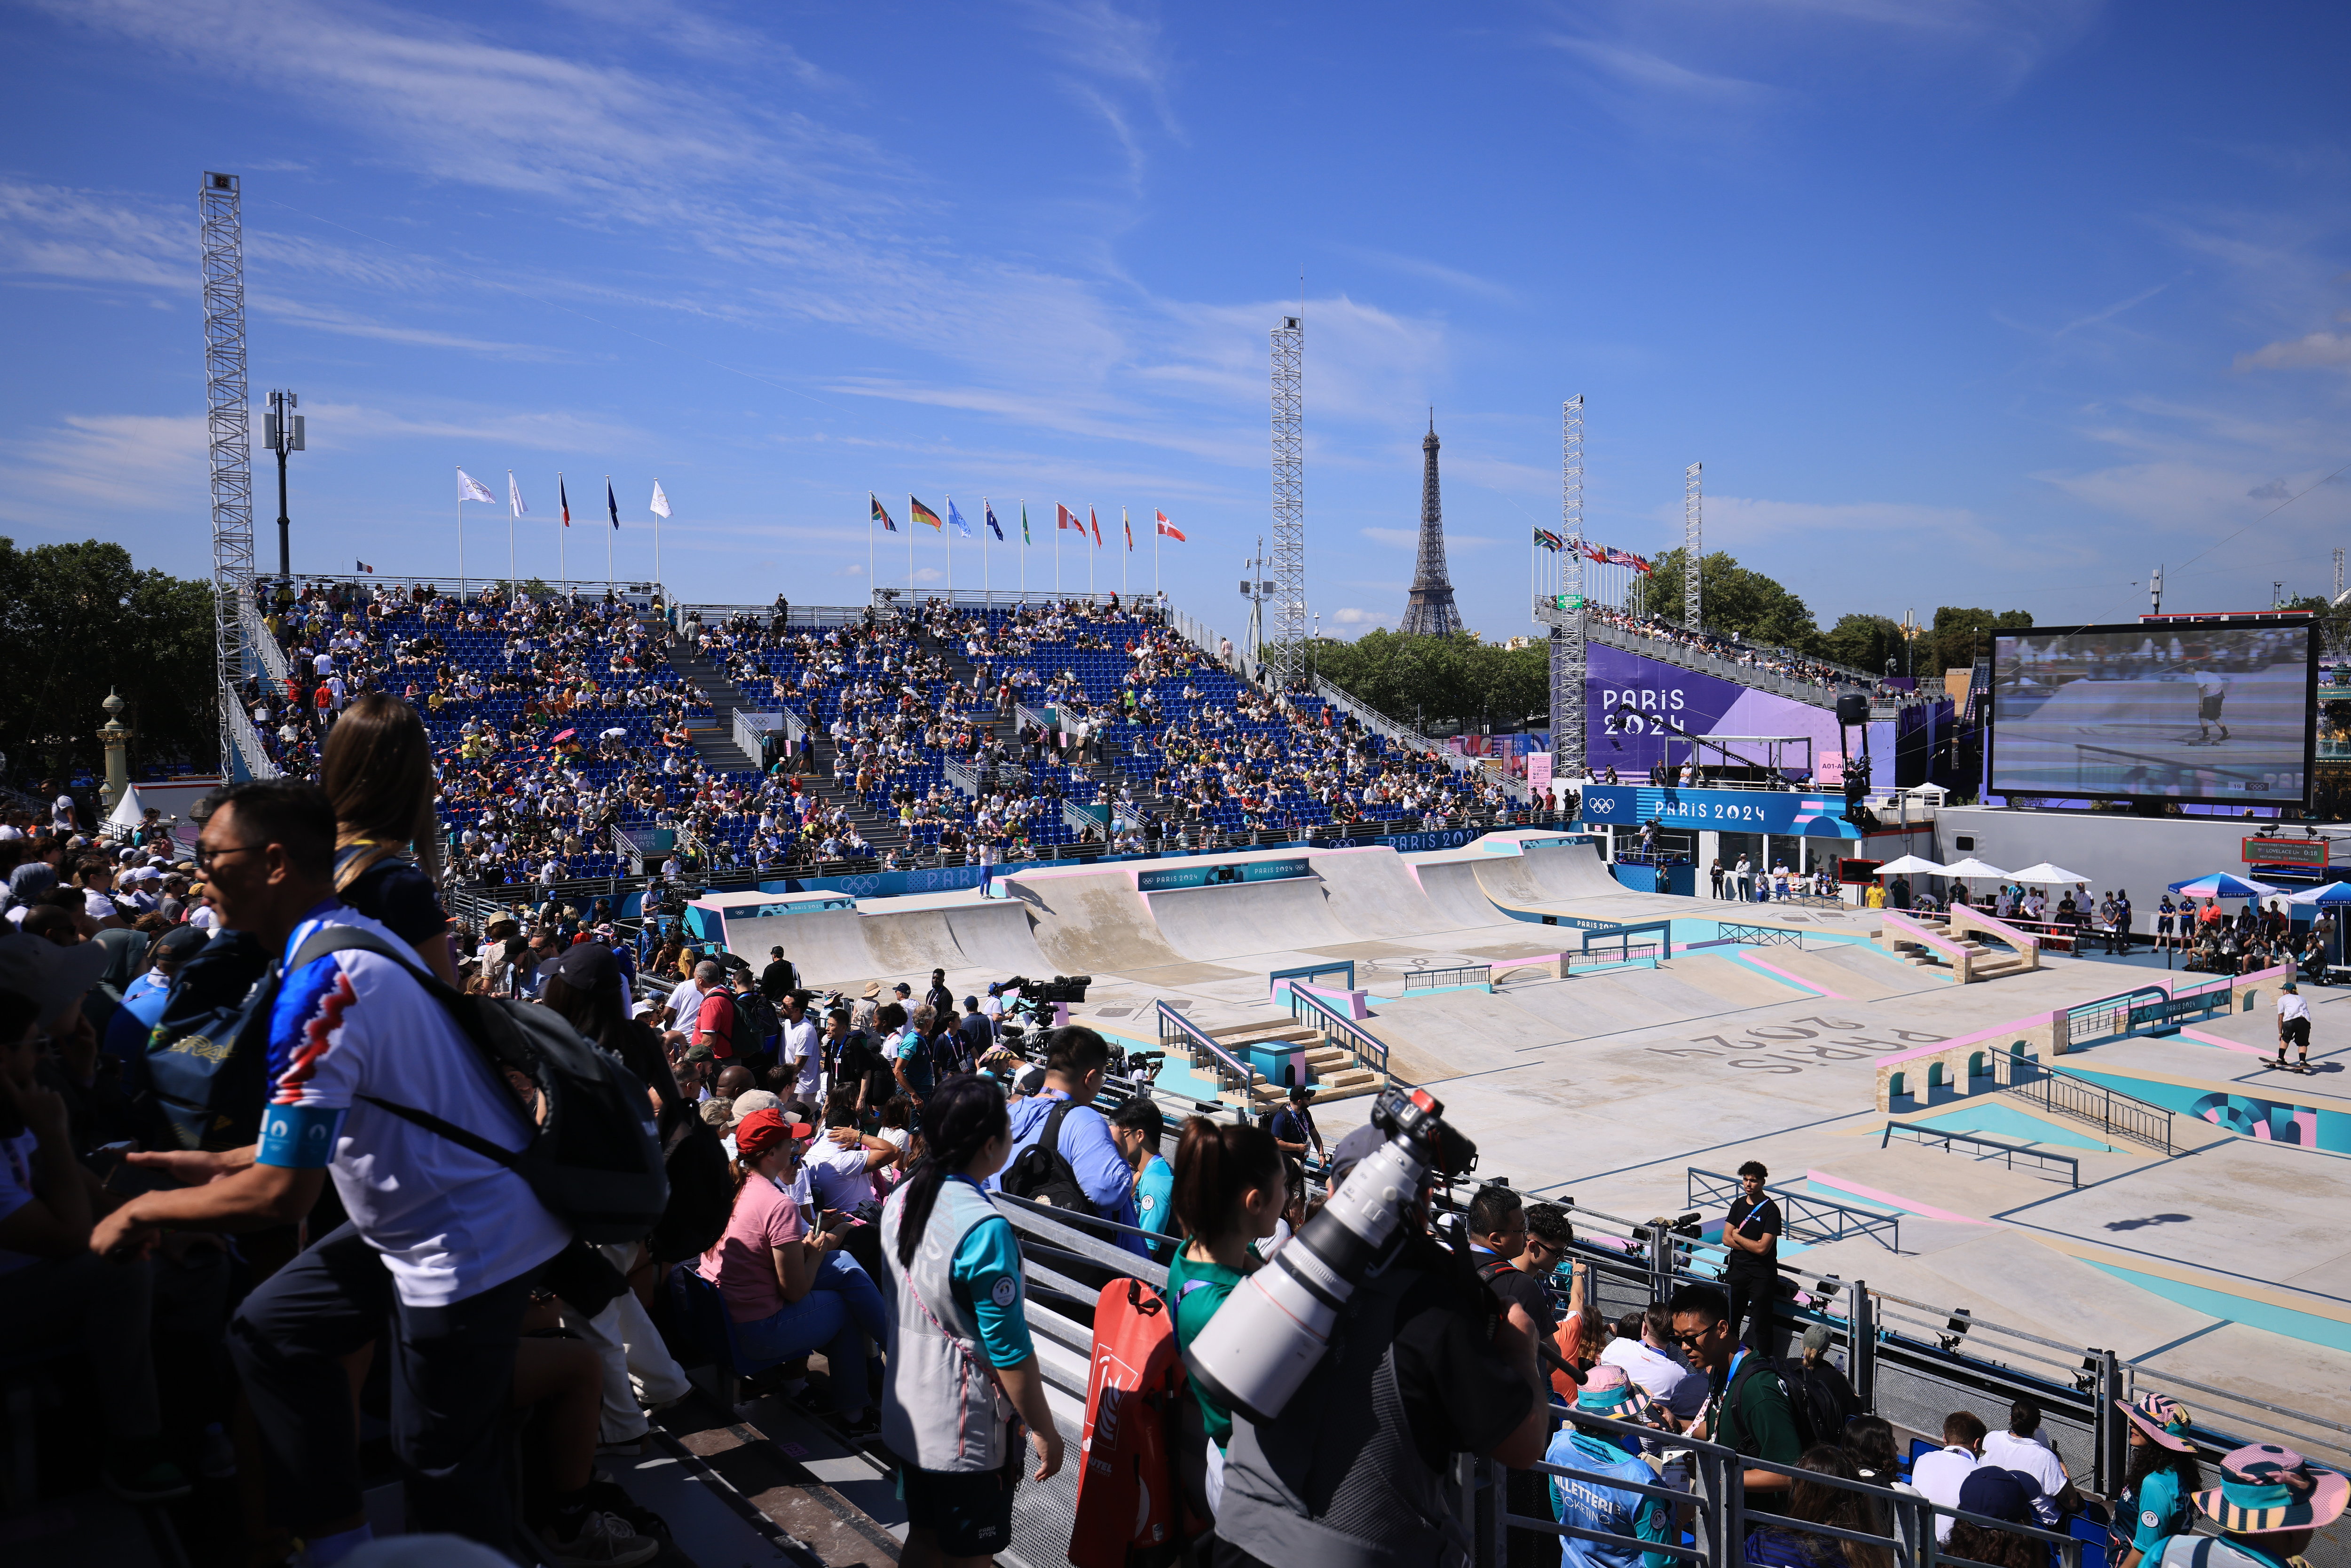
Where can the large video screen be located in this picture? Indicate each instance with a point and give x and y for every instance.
(2214, 712)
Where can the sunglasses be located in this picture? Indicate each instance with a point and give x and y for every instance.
(1688, 1341)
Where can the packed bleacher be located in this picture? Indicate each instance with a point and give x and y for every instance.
(1731, 649)
(942, 734)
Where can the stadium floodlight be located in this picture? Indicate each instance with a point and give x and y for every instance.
(283, 431)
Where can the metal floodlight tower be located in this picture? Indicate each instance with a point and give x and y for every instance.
(1259, 591)
(223, 237)
(1568, 660)
(1693, 540)
(282, 432)
(1289, 560)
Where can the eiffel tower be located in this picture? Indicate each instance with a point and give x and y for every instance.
(1428, 610)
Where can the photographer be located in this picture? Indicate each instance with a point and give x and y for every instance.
(1352, 1473)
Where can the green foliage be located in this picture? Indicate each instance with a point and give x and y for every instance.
(77, 620)
(2333, 620)
(1864, 643)
(1952, 644)
(1732, 598)
(1431, 680)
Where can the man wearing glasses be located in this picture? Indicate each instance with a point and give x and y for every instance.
(1747, 1408)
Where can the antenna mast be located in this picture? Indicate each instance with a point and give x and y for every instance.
(1288, 561)
(1568, 659)
(225, 426)
(1693, 540)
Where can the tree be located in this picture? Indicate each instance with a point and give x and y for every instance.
(1864, 643)
(1953, 643)
(1734, 599)
(1430, 680)
(2333, 620)
(77, 621)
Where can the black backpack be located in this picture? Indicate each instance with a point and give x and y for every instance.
(1819, 1406)
(207, 1056)
(701, 1192)
(593, 1159)
(1751, 1368)
(1042, 1174)
(755, 1021)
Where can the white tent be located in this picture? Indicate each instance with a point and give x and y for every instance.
(128, 812)
(1911, 865)
(2046, 874)
(1973, 867)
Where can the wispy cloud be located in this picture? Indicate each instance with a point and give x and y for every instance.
(1429, 271)
(66, 477)
(2316, 351)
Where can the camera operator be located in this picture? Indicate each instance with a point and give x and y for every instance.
(1421, 1366)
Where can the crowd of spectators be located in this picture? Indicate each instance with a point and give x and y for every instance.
(1732, 649)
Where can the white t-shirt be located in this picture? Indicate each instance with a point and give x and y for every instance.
(449, 1223)
(17, 1190)
(100, 906)
(684, 1003)
(2026, 1456)
(1938, 1475)
(2290, 1005)
(837, 1177)
(806, 1062)
(1659, 1376)
(61, 813)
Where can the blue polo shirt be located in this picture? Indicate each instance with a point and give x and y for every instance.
(1101, 1171)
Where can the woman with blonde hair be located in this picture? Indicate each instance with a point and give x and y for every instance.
(377, 771)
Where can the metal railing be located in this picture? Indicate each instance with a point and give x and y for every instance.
(246, 739)
(1368, 1051)
(2107, 1017)
(1815, 1220)
(2062, 1093)
(1404, 735)
(264, 647)
(2009, 1152)
(1759, 935)
(1457, 975)
(1630, 952)
(1202, 1051)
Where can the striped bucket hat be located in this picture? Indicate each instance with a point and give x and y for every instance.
(2265, 1489)
(1609, 1390)
(2164, 1419)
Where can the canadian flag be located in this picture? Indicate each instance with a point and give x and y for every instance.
(1168, 528)
(1065, 518)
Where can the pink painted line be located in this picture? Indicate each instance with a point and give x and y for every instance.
(1922, 1211)
(2035, 1020)
(2201, 1038)
(1796, 980)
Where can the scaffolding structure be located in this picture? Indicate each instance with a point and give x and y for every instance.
(225, 422)
(1568, 657)
(1290, 623)
(1693, 541)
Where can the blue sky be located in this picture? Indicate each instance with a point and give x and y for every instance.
(1971, 303)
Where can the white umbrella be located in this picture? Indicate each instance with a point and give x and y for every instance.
(2046, 874)
(1973, 867)
(2326, 893)
(1910, 865)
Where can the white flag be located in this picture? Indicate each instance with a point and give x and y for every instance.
(470, 489)
(661, 502)
(514, 508)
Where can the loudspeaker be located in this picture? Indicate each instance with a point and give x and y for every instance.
(1852, 708)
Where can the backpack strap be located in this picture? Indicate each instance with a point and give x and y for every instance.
(1489, 1272)
(1050, 1142)
(352, 938)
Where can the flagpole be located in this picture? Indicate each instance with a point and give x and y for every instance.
(950, 544)
(870, 504)
(1155, 552)
(562, 544)
(1090, 565)
(608, 537)
(512, 575)
(461, 546)
(909, 549)
(1127, 527)
(1024, 550)
(985, 530)
(1056, 549)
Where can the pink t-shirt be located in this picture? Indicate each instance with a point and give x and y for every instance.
(743, 1264)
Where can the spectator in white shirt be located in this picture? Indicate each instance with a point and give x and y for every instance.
(2025, 1449)
(802, 1061)
(1939, 1475)
(1660, 1374)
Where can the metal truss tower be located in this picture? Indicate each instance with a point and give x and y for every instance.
(1428, 609)
(1693, 541)
(230, 440)
(1568, 660)
(1288, 642)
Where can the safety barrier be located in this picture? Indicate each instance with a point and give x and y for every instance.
(1202, 1051)
(1456, 975)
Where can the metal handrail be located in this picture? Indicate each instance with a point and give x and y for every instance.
(1454, 975)
(1198, 1042)
(1797, 1207)
(1937, 1135)
(2065, 1093)
(1368, 1050)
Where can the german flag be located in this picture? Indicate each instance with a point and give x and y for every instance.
(920, 513)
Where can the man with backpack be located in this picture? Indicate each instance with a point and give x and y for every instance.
(1747, 1407)
(1063, 1150)
(442, 1243)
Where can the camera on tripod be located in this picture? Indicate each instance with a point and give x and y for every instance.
(1039, 999)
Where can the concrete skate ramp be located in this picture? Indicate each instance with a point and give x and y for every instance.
(826, 945)
(1372, 893)
(1239, 920)
(1092, 925)
(1453, 890)
(1859, 973)
(996, 935)
(1737, 984)
(1571, 871)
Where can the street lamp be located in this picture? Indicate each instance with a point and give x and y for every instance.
(281, 431)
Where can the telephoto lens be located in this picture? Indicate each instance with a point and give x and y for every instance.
(1274, 1326)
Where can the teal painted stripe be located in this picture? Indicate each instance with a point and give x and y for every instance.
(1996, 1120)
(2307, 1327)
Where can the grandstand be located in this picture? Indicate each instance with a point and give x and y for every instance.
(1608, 1045)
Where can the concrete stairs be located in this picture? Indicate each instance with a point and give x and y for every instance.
(1984, 962)
(713, 739)
(1332, 1069)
